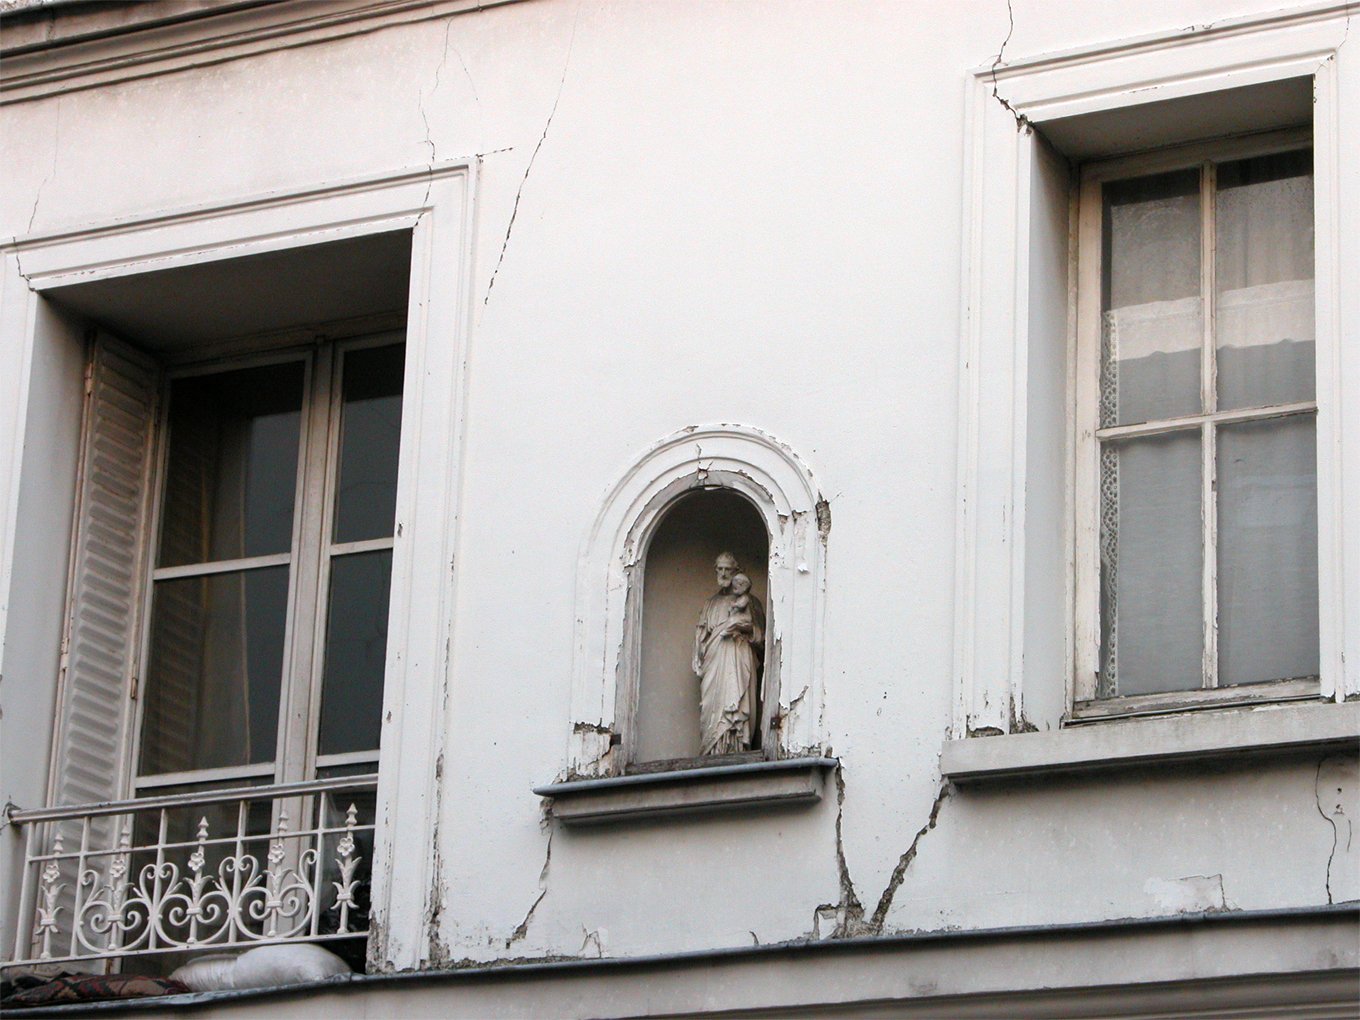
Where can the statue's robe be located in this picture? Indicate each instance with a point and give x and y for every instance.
(731, 672)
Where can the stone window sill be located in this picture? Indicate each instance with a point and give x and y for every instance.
(1189, 736)
(758, 785)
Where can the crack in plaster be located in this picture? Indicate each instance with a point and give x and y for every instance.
(591, 936)
(37, 195)
(424, 117)
(849, 911)
(899, 872)
(1021, 121)
(1345, 35)
(514, 209)
(522, 929)
(1330, 819)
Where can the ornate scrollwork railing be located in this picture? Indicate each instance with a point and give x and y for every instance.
(174, 873)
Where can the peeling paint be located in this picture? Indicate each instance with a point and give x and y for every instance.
(1192, 894)
(438, 953)
(985, 731)
(823, 518)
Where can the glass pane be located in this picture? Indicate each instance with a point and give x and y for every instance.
(356, 652)
(1153, 313)
(232, 466)
(214, 671)
(1267, 551)
(370, 434)
(181, 823)
(1264, 269)
(1152, 561)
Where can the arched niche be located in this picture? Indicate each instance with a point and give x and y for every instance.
(738, 461)
(677, 577)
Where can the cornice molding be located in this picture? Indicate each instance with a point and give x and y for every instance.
(1304, 14)
(123, 53)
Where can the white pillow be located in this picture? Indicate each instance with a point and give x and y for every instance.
(206, 973)
(262, 967)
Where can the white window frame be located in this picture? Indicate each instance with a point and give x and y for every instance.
(296, 756)
(435, 202)
(1089, 434)
(997, 689)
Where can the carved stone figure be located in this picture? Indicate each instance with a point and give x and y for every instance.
(727, 647)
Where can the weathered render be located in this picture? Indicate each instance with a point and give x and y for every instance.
(813, 253)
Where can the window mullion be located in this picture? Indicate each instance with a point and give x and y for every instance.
(1208, 438)
(1086, 473)
(295, 743)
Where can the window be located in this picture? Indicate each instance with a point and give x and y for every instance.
(1028, 625)
(1196, 477)
(271, 568)
(355, 254)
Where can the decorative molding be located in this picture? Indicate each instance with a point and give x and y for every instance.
(1315, 729)
(608, 607)
(747, 786)
(141, 51)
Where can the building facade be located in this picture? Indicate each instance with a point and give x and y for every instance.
(380, 381)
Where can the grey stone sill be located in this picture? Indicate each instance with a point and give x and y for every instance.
(748, 785)
(1189, 736)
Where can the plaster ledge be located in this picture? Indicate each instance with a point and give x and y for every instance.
(759, 784)
(1188, 736)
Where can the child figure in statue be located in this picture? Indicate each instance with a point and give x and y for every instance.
(731, 629)
(741, 605)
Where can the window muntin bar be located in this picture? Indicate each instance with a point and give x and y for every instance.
(1255, 312)
(341, 482)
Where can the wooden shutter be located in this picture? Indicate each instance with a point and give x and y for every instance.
(107, 576)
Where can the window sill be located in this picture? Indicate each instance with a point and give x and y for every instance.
(1190, 736)
(760, 784)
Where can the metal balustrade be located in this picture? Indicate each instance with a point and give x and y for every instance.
(215, 869)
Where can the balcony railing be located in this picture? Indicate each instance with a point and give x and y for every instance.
(217, 869)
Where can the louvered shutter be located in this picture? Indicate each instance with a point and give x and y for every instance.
(107, 576)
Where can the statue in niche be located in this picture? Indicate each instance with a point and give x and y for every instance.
(727, 649)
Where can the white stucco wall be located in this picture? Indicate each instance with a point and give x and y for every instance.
(692, 213)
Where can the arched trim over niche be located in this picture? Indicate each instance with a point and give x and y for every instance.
(609, 583)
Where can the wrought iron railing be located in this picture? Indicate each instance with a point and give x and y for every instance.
(216, 869)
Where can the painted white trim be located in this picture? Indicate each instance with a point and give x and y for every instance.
(1000, 152)
(1313, 728)
(222, 566)
(608, 607)
(435, 202)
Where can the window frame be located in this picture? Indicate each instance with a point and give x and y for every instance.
(1089, 436)
(309, 556)
(437, 204)
(1013, 641)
